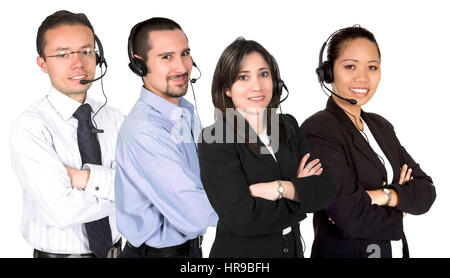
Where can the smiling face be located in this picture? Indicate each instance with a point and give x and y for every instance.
(252, 90)
(169, 64)
(65, 73)
(356, 71)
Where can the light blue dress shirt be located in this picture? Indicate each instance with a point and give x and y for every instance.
(160, 200)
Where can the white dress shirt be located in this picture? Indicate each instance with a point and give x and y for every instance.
(44, 140)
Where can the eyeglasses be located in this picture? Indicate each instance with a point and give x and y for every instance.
(66, 55)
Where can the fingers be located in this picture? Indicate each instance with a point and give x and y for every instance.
(408, 175)
(310, 169)
(315, 168)
(405, 174)
(402, 174)
(303, 162)
(319, 172)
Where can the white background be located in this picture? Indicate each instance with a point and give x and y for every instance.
(413, 94)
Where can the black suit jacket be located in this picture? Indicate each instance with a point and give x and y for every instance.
(351, 226)
(249, 226)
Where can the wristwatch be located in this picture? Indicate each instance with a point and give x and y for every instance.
(280, 190)
(388, 193)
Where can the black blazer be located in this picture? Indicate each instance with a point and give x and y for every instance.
(350, 225)
(248, 226)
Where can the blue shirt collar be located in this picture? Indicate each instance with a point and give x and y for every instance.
(166, 108)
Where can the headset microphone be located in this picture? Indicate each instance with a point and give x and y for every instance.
(86, 81)
(193, 80)
(349, 100)
(276, 104)
(99, 60)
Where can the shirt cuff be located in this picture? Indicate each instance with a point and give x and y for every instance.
(101, 182)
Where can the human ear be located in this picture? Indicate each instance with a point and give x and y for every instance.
(228, 92)
(42, 64)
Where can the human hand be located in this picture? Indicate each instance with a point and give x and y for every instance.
(78, 178)
(312, 168)
(405, 174)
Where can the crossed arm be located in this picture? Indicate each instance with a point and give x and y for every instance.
(269, 190)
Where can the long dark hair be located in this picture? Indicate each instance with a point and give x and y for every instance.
(226, 73)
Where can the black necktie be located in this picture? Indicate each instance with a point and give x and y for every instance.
(98, 231)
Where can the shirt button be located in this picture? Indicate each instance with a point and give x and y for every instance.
(97, 188)
(285, 250)
(384, 183)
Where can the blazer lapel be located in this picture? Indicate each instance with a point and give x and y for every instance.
(365, 148)
(266, 158)
(380, 134)
(269, 161)
(358, 140)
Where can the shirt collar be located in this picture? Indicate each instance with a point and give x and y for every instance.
(66, 106)
(166, 108)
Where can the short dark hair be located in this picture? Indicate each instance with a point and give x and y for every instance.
(56, 19)
(346, 34)
(140, 44)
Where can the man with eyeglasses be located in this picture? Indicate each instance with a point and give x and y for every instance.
(65, 164)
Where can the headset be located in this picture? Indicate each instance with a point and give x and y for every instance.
(278, 84)
(99, 61)
(99, 57)
(137, 65)
(325, 70)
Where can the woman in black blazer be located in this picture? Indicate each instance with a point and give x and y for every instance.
(254, 163)
(378, 181)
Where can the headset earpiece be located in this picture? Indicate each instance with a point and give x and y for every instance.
(278, 83)
(325, 72)
(136, 65)
(99, 57)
